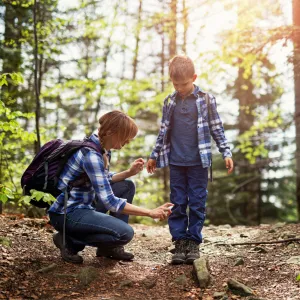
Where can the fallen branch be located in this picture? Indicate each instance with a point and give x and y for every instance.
(259, 243)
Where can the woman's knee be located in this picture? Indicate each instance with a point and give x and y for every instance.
(127, 233)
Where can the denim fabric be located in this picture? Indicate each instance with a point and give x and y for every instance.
(123, 189)
(188, 190)
(88, 227)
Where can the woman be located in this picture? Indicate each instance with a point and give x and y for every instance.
(86, 225)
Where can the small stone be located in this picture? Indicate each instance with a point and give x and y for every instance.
(260, 249)
(126, 283)
(219, 295)
(149, 283)
(272, 230)
(243, 235)
(239, 262)
(144, 235)
(5, 241)
(294, 260)
(239, 288)
(201, 270)
(182, 279)
(87, 275)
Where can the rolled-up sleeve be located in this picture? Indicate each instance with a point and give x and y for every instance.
(93, 165)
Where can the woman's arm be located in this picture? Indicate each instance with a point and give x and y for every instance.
(136, 167)
(161, 212)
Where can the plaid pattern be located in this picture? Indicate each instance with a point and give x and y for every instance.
(209, 124)
(87, 160)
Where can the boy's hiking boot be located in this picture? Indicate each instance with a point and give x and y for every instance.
(66, 253)
(118, 253)
(179, 252)
(192, 252)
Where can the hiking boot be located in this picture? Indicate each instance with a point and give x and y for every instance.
(179, 252)
(67, 254)
(192, 252)
(115, 253)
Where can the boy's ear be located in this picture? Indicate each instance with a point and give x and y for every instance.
(194, 77)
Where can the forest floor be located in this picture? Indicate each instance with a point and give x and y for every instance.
(31, 267)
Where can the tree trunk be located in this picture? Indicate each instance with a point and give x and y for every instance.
(36, 80)
(185, 22)
(296, 61)
(137, 40)
(172, 28)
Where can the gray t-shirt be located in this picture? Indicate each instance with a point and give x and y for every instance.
(184, 134)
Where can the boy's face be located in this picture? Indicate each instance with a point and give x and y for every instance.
(184, 86)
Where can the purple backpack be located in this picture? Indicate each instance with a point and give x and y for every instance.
(43, 172)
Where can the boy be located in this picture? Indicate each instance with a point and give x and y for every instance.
(184, 144)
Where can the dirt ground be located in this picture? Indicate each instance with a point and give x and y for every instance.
(31, 267)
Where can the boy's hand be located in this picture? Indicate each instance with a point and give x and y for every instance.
(151, 166)
(137, 166)
(229, 164)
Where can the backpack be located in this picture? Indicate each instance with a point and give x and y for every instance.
(43, 172)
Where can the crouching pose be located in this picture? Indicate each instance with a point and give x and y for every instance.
(87, 223)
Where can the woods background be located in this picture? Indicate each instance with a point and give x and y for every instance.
(65, 63)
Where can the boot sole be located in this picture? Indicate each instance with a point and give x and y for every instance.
(178, 262)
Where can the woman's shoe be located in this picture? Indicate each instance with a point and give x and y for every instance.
(115, 253)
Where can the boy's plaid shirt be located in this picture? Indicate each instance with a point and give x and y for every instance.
(209, 124)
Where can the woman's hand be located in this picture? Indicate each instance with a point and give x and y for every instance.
(137, 166)
(161, 212)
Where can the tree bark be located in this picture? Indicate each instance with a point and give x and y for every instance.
(36, 79)
(296, 62)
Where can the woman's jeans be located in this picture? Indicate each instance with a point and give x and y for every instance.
(86, 227)
(188, 189)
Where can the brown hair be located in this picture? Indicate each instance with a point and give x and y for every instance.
(181, 67)
(117, 122)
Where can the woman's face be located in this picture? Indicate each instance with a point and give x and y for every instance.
(117, 143)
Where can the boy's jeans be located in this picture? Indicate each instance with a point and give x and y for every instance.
(188, 188)
(86, 227)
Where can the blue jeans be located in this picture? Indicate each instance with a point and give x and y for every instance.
(86, 227)
(188, 189)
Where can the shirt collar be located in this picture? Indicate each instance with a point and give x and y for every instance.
(94, 138)
(194, 93)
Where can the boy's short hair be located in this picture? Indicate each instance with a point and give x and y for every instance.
(181, 67)
(117, 122)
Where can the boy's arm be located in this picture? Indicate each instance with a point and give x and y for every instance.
(216, 128)
(159, 141)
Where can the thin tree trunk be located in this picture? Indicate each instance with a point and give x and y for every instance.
(172, 28)
(296, 61)
(36, 81)
(185, 25)
(137, 40)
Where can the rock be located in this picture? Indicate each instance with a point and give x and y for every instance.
(239, 262)
(5, 241)
(87, 275)
(219, 295)
(47, 269)
(260, 249)
(181, 280)
(294, 260)
(201, 271)
(149, 283)
(125, 283)
(239, 288)
(272, 230)
(243, 235)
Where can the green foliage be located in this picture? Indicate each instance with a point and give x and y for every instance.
(37, 196)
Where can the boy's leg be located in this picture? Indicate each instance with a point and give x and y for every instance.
(197, 193)
(178, 220)
(122, 189)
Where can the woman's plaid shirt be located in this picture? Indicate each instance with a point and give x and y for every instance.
(209, 124)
